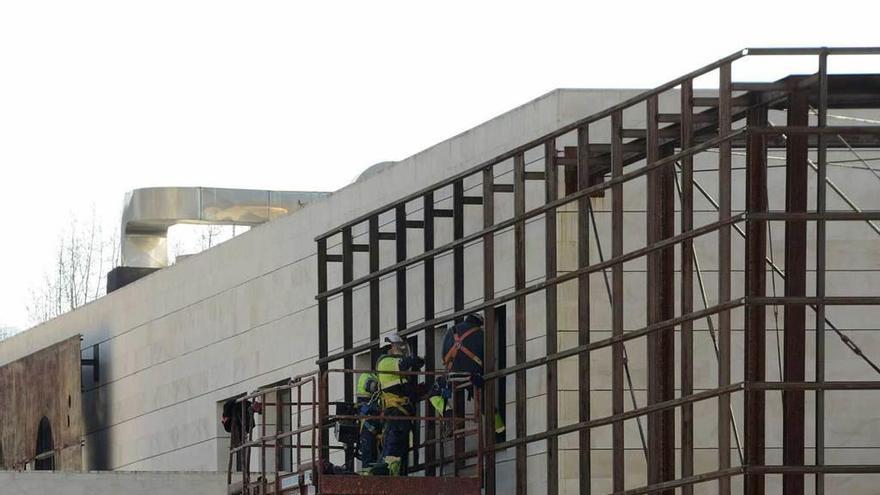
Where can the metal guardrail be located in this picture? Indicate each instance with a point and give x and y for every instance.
(311, 470)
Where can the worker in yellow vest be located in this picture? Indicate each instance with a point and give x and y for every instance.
(398, 394)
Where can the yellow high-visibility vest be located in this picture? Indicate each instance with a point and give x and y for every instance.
(387, 369)
(363, 385)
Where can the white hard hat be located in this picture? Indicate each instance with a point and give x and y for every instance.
(394, 338)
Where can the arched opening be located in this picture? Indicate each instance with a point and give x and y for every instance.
(45, 444)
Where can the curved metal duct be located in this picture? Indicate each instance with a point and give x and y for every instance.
(149, 212)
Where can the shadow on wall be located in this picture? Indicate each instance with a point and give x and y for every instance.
(96, 400)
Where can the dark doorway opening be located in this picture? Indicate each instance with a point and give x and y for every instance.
(45, 445)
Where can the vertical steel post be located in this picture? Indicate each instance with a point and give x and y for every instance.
(618, 459)
(724, 205)
(375, 306)
(299, 424)
(458, 293)
(687, 284)
(583, 246)
(490, 333)
(795, 286)
(430, 351)
(822, 174)
(322, 333)
(458, 251)
(660, 215)
(756, 286)
(263, 483)
(400, 255)
(551, 193)
(278, 443)
(519, 276)
(400, 239)
(348, 316)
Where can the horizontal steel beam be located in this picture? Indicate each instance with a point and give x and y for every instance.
(598, 267)
(857, 50)
(825, 468)
(833, 130)
(629, 335)
(587, 192)
(827, 301)
(631, 414)
(836, 385)
(690, 480)
(813, 215)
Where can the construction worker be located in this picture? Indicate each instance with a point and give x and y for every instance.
(398, 395)
(238, 420)
(462, 353)
(367, 403)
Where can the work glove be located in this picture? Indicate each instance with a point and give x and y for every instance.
(477, 380)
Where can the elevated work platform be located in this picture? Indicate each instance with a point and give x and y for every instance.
(322, 447)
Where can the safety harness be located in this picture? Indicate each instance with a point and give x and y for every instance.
(458, 345)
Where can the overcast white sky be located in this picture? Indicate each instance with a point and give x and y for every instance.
(99, 97)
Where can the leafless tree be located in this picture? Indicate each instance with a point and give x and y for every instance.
(83, 258)
(211, 234)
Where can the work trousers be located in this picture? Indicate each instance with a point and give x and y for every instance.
(396, 435)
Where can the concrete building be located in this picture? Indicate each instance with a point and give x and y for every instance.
(173, 346)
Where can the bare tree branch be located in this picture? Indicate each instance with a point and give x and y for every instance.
(79, 275)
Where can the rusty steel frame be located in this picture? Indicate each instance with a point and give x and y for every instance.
(631, 154)
(308, 474)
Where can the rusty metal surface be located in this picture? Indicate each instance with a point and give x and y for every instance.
(756, 286)
(583, 310)
(430, 352)
(796, 190)
(491, 328)
(313, 442)
(396, 485)
(46, 384)
(687, 284)
(617, 302)
(653, 152)
(519, 277)
(660, 298)
(551, 193)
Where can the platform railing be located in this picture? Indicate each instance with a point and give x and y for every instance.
(305, 439)
(299, 440)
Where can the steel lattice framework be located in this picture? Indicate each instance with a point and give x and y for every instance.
(658, 153)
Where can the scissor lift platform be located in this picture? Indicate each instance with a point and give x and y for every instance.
(306, 442)
(397, 485)
(340, 484)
